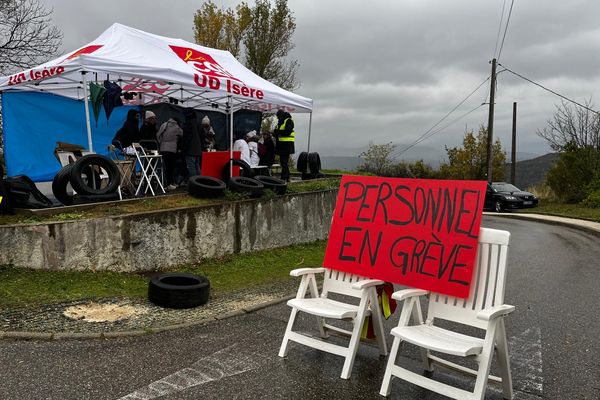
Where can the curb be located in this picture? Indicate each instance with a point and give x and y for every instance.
(552, 220)
(47, 336)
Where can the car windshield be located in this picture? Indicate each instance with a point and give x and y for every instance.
(505, 187)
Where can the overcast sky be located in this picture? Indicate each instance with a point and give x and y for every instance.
(388, 70)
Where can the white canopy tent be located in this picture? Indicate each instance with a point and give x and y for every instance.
(160, 68)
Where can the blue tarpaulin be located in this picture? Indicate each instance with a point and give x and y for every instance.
(33, 122)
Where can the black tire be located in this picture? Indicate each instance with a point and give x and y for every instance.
(314, 163)
(59, 185)
(206, 187)
(498, 206)
(84, 163)
(245, 169)
(178, 290)
(95, 198)
(241, 184)
(277, 185)
(302, 162)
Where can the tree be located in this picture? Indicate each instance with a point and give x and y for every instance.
(26, 36)
(470, 161)
(261, 36)
(573, 126)
(377, 158)
(573, 176)
(575, 133)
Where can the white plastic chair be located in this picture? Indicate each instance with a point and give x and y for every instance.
(483, 309)
(323, 307)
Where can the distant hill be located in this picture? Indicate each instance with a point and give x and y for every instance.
(532, 172)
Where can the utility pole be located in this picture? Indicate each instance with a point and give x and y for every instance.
(491, 122)
(513, 163)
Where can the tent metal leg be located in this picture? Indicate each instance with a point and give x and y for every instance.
(87, 112)
(309, 128)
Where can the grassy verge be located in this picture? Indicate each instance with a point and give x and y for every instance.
(566, 210)
(21, 288)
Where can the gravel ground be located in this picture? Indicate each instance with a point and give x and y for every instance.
(51, 318)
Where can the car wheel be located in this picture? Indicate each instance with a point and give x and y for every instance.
(498, 206)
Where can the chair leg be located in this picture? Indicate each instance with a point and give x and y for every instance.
(283, 350)
(378, 324)
(504, 361)
(387, 376)
(355, 338)
(485, 362)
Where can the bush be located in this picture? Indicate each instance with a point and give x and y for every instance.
(593, 195)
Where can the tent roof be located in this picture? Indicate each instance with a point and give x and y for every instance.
(160, 68)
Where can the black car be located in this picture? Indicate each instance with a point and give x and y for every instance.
(504, 196)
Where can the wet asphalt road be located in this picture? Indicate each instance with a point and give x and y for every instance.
(553, 336)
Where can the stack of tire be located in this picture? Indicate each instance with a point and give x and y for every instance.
(85, 179)
(309, 165)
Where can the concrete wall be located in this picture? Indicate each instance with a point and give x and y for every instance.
(148, 241)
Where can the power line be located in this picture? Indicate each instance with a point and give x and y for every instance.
(423, 136)
(436, 132)
(499, 28)
(549, 90)
(506, 28)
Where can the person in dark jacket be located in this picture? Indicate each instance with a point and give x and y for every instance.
(192, 143)
(129, 132)
(284, 145)
(266, 152)
(148, 129)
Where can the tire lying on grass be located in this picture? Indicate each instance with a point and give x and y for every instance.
(206, 187)
(82, 167)
(241, 184)
(178, 290)
(277, 185)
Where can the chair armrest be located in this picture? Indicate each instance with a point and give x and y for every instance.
(406, 293)
(366, 283)
(304, 271)
(495, 312)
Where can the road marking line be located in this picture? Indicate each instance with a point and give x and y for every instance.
(222, 364)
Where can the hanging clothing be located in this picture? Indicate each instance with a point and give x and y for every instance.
(97, 93)
(112, 98)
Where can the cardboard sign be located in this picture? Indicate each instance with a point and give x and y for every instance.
(416, 232)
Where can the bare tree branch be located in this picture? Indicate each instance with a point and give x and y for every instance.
(26, 36)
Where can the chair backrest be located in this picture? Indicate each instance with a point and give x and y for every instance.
(66, 157)
(339, 282)
(487, 286)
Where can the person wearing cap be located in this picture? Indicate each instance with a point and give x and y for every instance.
(208, 134)
(252, 141)
(148, 131)
(284, 141)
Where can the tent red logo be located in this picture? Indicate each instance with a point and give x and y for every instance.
(84, 50)
(209, 73)
(202, 62)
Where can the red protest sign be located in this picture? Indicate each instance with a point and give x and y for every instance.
(416, 232)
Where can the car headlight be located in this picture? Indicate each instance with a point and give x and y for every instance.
(510, 197)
